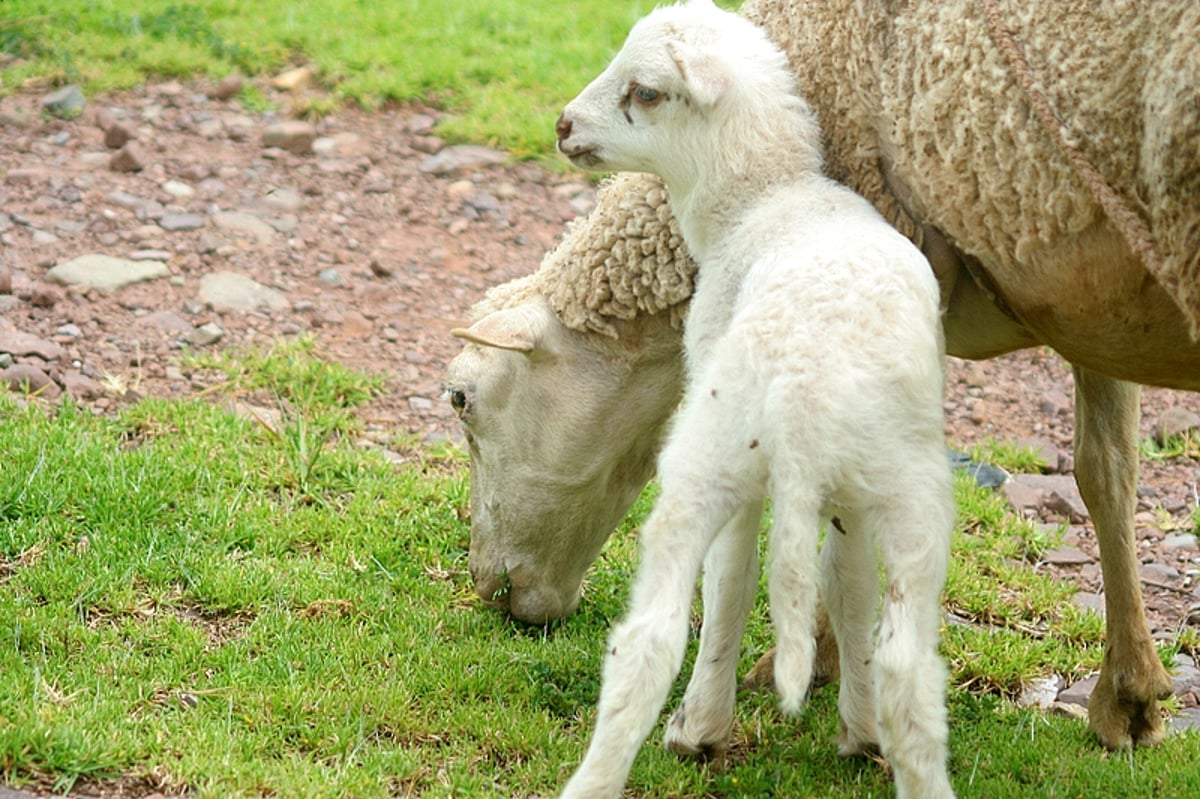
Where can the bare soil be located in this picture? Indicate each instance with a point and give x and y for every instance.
(378, 260)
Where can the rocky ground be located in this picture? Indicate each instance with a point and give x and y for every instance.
(224, 227)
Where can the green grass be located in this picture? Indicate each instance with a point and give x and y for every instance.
(505, 68)
(182, 608)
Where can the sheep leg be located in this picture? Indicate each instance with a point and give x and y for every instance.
(792, 585)
(706, 483)
(1123, 710)
(701, 724)
(850, 592)
(909, 678)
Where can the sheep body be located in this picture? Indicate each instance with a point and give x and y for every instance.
(814, 360)
(923, 116)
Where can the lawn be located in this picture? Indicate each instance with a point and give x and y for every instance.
(196, 601)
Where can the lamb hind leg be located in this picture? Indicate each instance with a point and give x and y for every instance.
(701, 724)
(1123, 710)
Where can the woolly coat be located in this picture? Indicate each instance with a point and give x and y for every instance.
(1122, 76)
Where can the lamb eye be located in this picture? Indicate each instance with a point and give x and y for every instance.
(645, 95)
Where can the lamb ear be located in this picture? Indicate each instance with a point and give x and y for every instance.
(703, 71)
(516, 329)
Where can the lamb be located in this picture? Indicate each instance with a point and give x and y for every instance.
(812, 347)
(925, 117)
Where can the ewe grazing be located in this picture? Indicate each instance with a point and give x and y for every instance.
(813, 353)
(924, 115)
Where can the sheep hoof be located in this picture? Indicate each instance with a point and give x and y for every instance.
(1125, 713)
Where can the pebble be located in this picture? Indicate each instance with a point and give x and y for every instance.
(177, 222)
(16, 343)
(1177, 541)
(129, 158)
(1175, 422)
(117, 135)
(238, 222)
(293, 135)
(235, 292)
(228, 87)
(28, 378)
(105, 272)
(461, 157)
(65, 103)
(205, 335)
(178, 189)
(292, 79)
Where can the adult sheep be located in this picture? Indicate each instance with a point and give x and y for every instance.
(924, 115)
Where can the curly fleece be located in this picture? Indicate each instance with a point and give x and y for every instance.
(1122, 75)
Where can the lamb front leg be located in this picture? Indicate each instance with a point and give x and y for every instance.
(701, 724)
(646, 649)
(1123, 710)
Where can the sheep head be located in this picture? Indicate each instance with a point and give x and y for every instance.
(562, 428)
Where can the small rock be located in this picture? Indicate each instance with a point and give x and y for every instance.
(167, 321)
(1080, 692)
(293, 135)
(227, 87)
(177, 222)
(236, 292)
(117, 135)
(80, 386)
(355, 325)
(105, 272)
(331, 277)
(65, 103)
(1188, 720)
(1055, 403)
(461, 157)
(1067, 556)
(1177, 541)
(27, 344)
(178, 190)
(1159, 573)
(1087, 601)
(128, 159)
(292, 79)
(1040, 692)
(205, 334)
(420, 404)
(1175, 422)
(238, 222)
(30, 379)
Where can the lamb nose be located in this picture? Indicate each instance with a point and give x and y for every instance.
(562, 127)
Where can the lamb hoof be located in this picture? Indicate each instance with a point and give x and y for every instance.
(855, 745)
(687, 739)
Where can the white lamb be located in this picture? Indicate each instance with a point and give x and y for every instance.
(813, 353)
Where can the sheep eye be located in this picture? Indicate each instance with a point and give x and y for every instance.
(645, 95)
(458, 400)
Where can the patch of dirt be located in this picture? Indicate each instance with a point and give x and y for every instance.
(379, 259)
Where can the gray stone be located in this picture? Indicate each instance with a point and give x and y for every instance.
(176, 222)
(80, 386)
(178, 189)
(231, 291)
(1175, 422)
(237, 222)
(293, 135)
(28, 378)
(330, 277)
(1177, 541)
(1067, 556)
(167, 321)
(1080, 692)
(129, 158)
(1188, 720)
(105, 272)
(1087, 601)
(1059, 494)
(1159, 573)
(462, 157)
(17, 343)
(64, 103)
(1185, 676)
(204, 335)
(1040, 692)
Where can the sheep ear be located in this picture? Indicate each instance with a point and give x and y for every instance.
(703, 71)
(514, 329)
